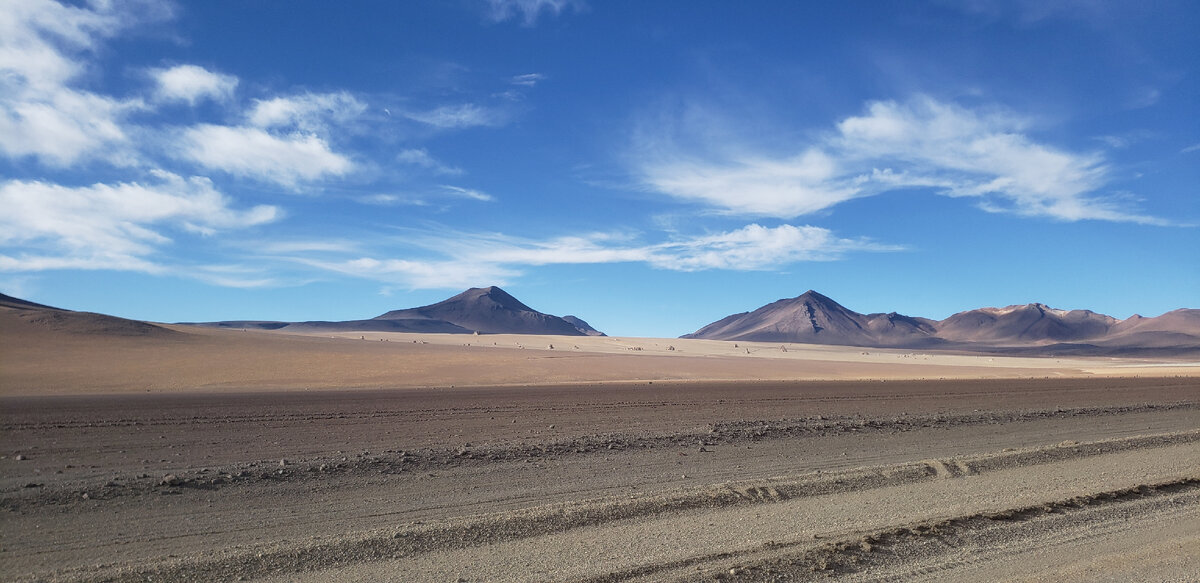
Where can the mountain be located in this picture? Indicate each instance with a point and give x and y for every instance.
(1027, 323)
(815, 319)
(17, 315)
(582, 326)
(488, 310)
(1031, 329)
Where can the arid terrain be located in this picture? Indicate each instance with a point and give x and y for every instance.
(177, 453)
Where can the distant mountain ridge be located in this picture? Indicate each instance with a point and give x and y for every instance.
(17, 314)
(816, 319)
(488, 310)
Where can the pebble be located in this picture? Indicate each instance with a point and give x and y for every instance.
(21, 458)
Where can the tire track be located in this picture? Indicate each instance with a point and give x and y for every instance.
(414, 540)
(214, 478)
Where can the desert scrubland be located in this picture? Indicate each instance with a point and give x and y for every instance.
(209, 455)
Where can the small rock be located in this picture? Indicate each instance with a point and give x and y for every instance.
(551, 427)
(283, 462)
(171, 480)
(702, 449)
(21, 458)
(84, 496)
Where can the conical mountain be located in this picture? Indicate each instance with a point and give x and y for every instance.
(816, 319)
(489, 310)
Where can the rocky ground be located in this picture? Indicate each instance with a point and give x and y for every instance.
(756, 481)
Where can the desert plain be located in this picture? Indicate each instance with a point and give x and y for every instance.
(200, 454)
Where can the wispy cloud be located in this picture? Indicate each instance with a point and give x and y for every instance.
(111, 226)
(191, 83)
(308, 112)
(467, 193)
(528, 11)
(457, 116)
(922, 143)
(421, 157)
(457, 259)
(254, 153)
(527, 80)
(417, 274)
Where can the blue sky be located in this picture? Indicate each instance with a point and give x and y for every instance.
(647, 166)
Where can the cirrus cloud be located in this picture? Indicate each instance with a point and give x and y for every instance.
(456, 259)
(986, 154)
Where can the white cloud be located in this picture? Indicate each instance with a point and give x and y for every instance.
(392, 200)
(755, 184)
(110, 226)
(527, 80)
(418, 274)
(310, 112)
(421, 157)
(1190, 149)
(468, 193)
(191, 83)
(528, 11)
(464, 259)
(919, 144)
(41, 114)
(755, 247)
(254, 153)
(35, 34)
(457, 116)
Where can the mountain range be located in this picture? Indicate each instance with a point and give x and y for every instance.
(488, 310)
(813, 318)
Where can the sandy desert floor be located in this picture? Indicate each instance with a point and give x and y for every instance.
(222, 455)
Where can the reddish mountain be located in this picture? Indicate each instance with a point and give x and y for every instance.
(815, 319)
(1030, 329)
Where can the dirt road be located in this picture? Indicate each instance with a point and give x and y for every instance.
(967, 480)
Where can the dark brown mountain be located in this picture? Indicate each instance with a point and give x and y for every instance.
(17, 315)
(582, 326)
(1024, 329)
(489, 310)
(815, 319)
